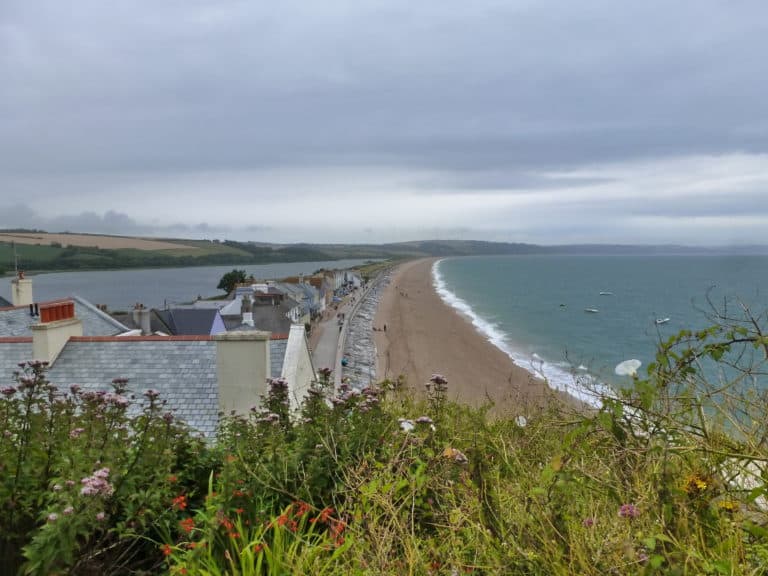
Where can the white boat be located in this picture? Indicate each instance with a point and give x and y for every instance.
(591, 310)
(661, 320)
(606, 293)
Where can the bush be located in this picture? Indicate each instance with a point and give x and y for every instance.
(664, 477)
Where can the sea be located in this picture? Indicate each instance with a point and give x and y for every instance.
(534, 307)
(158, 287)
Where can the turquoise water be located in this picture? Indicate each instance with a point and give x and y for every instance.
(533, 307)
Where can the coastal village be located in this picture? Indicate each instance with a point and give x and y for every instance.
(206, 358)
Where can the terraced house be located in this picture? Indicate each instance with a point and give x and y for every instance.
(198, 376)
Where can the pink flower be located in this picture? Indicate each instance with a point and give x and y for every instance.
(68, 511)
(629, 511)
(75, 433)
(52, 517)
(100, 516)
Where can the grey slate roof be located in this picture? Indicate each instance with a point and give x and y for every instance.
(189, 321)
(183, 371)
(4, 303)
(276, 356)
(17, 321)
(11, 353)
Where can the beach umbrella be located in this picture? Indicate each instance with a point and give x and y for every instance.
(628, 367)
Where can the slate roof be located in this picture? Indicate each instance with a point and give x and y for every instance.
(182, 369)
(4, 303)
(270, 318)
(17, 321)
(189, 321)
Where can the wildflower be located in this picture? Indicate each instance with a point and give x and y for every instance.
(68, 511)
(301, 509)
(75, 433)
(180, 502)
(97, 484)
(324, 516)
(167, 550)
(588, 522)
(257, 548)
(629, 511)
(239, 510)
(75, 389)
(424, 420)
(69, 483)
(438, 379)
(56, 488)
(695, 485)
(457, 455)
(187, 525)
(172, 479)
(100, 516)
(52, 517)
(521, 421)
(729, 506)
(406, 425)
(152, 394)
(8, 391)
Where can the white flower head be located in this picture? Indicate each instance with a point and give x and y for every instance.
(406, 425)
(521, 421)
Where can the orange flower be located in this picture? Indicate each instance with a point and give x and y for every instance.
(324, 516)
(258, 548)
(187, 525)
(238, 493)
(167, 550)
(301, 509)
(239, 510)
(234, 535)
(172, 479)
(180, 502)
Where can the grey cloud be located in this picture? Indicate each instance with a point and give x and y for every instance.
(453, 97)
(110, 222)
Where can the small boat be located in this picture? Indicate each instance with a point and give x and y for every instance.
(591, 310)
(606, 293)
(661, 320)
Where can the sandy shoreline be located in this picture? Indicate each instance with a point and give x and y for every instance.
(425, 336)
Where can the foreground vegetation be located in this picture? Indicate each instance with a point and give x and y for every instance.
(665, 478)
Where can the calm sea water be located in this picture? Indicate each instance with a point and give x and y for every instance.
(121, 289)
(533, 307)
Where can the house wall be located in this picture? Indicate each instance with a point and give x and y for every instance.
(49, 339)
(297, 365)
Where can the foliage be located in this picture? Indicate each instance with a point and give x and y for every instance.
(84, 475)
(666, 476)
(231, 279)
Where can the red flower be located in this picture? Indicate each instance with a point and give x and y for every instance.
(239, 510)
(187, 525)
(324, 516)
(180, 502)
(258, 548)
(172, 479)
(167, 550)
(301, 509)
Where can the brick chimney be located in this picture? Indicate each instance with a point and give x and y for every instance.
(21, 290)
(242, 368)
(57, 324)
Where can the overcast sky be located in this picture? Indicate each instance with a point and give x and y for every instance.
(547, 121)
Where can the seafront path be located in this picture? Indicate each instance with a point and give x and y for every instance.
(328, 340)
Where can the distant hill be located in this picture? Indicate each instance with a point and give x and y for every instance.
(38, 250)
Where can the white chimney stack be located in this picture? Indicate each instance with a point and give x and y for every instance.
(242, 368)
(21, 290)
